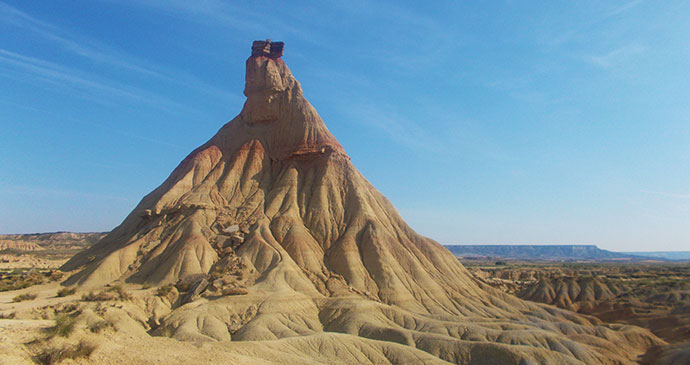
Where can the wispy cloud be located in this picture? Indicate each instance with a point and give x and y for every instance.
(63, 77)
(228, 15)
(101, 53)
(425, 46)
(103, 126)
(623, 8)
(139, 137)
(457, 137)
(667, 194)
(584, 30)
(399, 128)
(89, 49)
(616, 57)
(50, 192)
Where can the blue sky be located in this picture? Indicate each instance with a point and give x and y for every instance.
(482, 121)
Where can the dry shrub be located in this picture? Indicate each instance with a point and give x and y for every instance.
(66, 308)
(117, 292)
(66, 291)
(121, 292)
(64, 325)
(101, 296)
(23, 297)
(56, 355)
(18, 279)
(99, 326)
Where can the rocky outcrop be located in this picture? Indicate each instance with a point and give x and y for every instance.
(19, 245)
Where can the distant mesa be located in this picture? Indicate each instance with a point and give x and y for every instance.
(52, 240)
(545, 252)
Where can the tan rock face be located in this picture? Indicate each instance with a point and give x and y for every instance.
(265, 89)
(319, 249)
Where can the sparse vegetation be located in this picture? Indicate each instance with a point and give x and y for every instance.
(69, 307)
(99, 326)
(8, 315)
(121, 292)
(117, 292)
(96, 297)
(24, 297)
(66, 291)
(56, 355)
(64, 325)
(19, 279)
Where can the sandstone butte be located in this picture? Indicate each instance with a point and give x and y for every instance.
(288, 254)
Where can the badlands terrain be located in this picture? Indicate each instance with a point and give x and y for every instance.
(43, 250)
(652, 295)
(266, 245)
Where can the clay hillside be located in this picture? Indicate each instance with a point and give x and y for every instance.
(281, 251)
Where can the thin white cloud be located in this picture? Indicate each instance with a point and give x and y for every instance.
(616, 57)
(85, 48)
(49, 192)
(92, 123)
(63, 77)
(226, 14)
(623, 8)
(667, 194)
(582, 31)
(101, 53)
(400, 129)
(458, 135)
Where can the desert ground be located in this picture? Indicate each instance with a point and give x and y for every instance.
(87, 326)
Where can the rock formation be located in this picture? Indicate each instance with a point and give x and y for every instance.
(55, 240)
(284, 244)
(19, 245)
